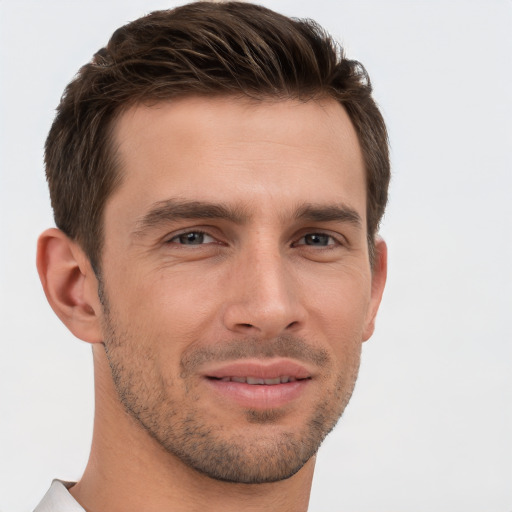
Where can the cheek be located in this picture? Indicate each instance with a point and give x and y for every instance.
(339, 312)
(171, 310)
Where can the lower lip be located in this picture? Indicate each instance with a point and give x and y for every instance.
(259, 396)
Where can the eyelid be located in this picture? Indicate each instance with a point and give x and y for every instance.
(170, 239)
(337, 238)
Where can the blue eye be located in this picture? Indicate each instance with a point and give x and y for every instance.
(192, 238)
(316, 240)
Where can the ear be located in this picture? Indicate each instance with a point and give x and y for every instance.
(70, 284)
(379, 274)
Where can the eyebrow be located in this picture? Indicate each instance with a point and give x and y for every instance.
(328, 213)
(172, 210)
(175, 209)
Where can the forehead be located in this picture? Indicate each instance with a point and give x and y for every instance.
(275, 154)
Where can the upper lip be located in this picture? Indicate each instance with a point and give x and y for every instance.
(259, 369)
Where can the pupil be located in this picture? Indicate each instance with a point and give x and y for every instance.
(317, 239)
(192, 238)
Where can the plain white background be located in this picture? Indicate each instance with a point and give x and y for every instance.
(430, 425)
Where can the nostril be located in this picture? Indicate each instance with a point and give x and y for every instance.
(292, 324)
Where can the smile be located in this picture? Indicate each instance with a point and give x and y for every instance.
(258, 380)
(259, 384)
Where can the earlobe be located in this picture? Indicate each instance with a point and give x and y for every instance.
(70, 284)
(379, 275)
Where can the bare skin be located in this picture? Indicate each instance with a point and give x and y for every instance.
(236, 293)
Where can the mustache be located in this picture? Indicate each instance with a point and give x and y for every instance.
(287, 346)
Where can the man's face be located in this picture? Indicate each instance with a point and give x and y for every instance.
(236, 281)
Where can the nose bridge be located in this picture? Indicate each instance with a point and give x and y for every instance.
(264, 295)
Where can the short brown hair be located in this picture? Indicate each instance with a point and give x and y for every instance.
(201, 48)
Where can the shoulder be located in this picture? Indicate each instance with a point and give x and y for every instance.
(58, 499)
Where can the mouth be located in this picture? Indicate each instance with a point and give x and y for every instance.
(258, 381)
(259, 385)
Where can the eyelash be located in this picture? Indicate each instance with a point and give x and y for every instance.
(331, 242)
(185, 233)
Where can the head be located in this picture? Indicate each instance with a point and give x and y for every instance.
(221, 170)
(202, 49)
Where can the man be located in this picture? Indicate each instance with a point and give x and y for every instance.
(217, 173)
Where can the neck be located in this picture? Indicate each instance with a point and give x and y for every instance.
(129, 471)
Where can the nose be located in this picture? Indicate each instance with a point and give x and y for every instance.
(264, 299)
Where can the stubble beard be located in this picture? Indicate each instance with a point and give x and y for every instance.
(271, 455)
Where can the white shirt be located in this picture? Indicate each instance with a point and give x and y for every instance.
(58, 499)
